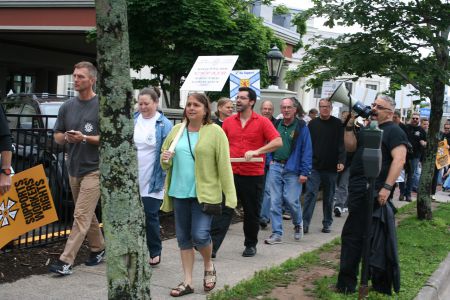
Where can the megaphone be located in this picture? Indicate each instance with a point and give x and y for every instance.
(342, 95)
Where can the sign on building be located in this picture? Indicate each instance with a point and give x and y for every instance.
(247, 78)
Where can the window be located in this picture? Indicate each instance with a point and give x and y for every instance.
(372, 86)
(349, 86)
(318, 92)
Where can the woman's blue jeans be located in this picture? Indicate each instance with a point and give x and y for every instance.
(192, 226)
(151, 209)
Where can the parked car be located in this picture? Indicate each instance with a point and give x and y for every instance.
(31, 118)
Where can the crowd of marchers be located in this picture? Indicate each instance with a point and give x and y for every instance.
(269, 168)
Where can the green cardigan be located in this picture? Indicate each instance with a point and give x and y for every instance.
(213, 173)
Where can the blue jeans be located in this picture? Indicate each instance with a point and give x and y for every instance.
(151, 209)
(341, 193)
(328, 180)
(283, 185)
(413, 164)
(192, 226)
(265, 207)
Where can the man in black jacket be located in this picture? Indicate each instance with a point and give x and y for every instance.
(417, 137)
(327, 136)
(393, 148)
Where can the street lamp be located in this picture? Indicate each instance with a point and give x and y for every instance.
(274, 62)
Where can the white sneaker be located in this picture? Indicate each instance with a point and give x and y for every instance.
(273, 239)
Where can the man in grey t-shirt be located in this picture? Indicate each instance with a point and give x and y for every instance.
(77, 126)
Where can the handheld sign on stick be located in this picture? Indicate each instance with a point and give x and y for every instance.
(242, 159)
(177, 138)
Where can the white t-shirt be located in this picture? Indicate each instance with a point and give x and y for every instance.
(145, 141)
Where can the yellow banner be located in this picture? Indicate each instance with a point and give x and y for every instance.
(27, 205)
(442, 156)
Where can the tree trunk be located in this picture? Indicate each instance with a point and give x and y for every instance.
(175, 90)
(424, 195)
(128, 271)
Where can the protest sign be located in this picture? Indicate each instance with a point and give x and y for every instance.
(245, 78)
(27, 205)
(208, 74)
(442, 157)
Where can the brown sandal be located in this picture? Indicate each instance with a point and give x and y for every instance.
(210, 277)
(181, 290)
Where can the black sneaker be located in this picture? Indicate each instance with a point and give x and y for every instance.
(61, 267)
(337, 211)
(249, 251)
(95, 258)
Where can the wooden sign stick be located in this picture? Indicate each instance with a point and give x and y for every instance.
(177, 138)
(242, 160)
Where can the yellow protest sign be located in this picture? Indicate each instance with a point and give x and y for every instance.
(27, 205)
(442, 157)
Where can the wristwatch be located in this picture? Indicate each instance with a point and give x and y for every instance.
(6, 171)
(84, 139)
(388, 186)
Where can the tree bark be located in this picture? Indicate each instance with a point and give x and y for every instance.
(175, 90)
(437, 101)
(128, 271)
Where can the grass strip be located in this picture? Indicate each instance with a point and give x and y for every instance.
(422, 246)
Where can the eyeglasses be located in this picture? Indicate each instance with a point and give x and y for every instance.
(380, 107)
(415, 118)
(286, 107)
(242, 98)
(324, 106)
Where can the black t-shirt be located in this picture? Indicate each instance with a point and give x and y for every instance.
(415, 135)
(327, 137)
(393, 136)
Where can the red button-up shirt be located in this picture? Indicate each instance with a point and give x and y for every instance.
(257, 132)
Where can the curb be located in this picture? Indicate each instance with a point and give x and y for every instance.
(437, 283)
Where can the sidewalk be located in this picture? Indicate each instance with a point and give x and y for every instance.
(90, 282)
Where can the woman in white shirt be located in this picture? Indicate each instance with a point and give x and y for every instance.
(150, 129)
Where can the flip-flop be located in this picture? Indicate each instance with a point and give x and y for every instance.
(181, 290)
(155, 263)
(210, 277)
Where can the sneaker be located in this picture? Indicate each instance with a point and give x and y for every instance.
(298, 232)
(263, 225)
(249, 251)
(273, 239)
(326, 230)
(286, 216)
(95, 258)
(433, 197)
(401, 198)
(61, 267)
(337, 211)
(305, 229)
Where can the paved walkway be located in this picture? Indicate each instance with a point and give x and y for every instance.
(90, 282)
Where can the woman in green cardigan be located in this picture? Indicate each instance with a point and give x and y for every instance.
(198, 171)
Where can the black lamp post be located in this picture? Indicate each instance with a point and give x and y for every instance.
(274, 62)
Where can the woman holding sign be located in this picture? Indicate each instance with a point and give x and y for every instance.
(198, 170)
(150, 130)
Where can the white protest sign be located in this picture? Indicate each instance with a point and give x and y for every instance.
(328, 88)
(209, 73)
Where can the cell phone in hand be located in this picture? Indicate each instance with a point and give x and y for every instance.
(70, 132)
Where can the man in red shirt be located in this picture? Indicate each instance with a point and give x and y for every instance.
(250, 135)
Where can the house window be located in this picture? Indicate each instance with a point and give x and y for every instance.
(372, 86)
(349, 86)
(318, 92)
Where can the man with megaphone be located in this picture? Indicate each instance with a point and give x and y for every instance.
(378, 160)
